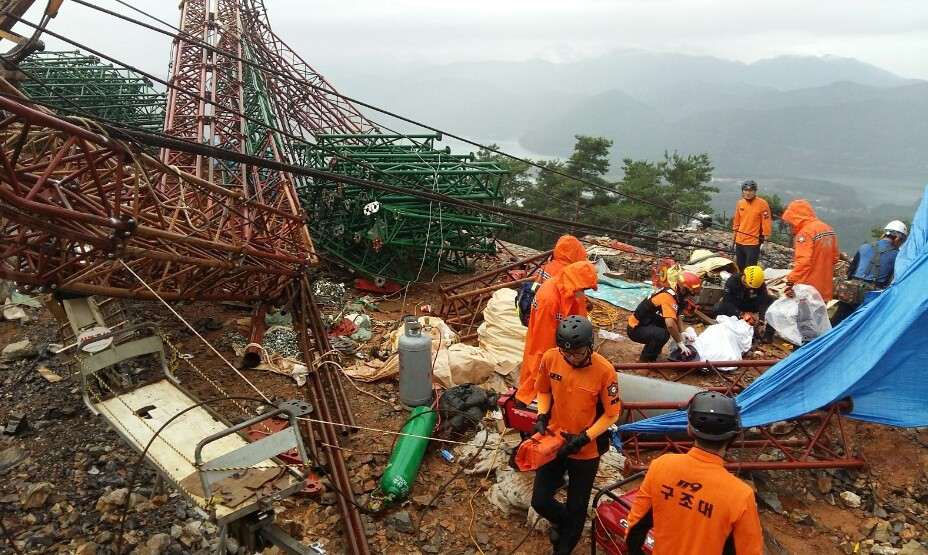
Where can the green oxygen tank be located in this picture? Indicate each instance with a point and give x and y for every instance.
(404, 462)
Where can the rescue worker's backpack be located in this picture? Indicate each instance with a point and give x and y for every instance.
(525, 296)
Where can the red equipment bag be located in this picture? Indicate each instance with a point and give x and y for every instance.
(610, 520)
(522, 420)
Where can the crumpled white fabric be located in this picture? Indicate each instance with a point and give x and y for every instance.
(728, 339)
(501, 334)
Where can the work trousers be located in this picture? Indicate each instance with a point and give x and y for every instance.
(746, 255)
(568, 518)
(653, 337)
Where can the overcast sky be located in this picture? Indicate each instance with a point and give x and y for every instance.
(338, 35)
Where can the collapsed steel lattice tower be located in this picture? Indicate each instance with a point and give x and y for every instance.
(389, 236)
(94, 88)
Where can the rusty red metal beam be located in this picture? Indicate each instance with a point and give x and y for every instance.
(462, 303)
(816, 440)
(73, 201)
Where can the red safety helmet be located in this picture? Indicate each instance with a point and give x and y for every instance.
(691, 282)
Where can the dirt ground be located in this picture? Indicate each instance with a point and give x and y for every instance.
(448, 510)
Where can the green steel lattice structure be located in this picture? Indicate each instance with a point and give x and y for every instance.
(96, 88)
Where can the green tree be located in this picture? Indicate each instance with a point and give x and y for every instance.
(781, 232)
(518, 179)
(688, 179)
(569, 190)
(657, 192)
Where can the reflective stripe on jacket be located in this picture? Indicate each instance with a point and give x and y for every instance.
(815, 247)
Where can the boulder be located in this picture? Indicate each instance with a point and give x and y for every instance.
(18, 350)
(36, 495)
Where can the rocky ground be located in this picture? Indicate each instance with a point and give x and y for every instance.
(63, 473)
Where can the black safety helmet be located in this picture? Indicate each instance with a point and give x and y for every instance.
(749, 185)
(713, 416)
(573, 332)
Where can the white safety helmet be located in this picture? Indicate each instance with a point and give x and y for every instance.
(898, 227)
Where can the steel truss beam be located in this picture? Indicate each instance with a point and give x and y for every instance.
(309, 111)
(99, 89)
(814, 440)
(462, 303)
(73, 201)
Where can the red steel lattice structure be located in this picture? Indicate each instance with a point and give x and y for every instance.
(76, 201)
(814, 440)
(313, 107)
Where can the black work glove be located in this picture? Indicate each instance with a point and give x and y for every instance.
(541, 423)
(575, 442)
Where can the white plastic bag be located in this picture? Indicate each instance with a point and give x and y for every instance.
(726, 340)
(801, 318)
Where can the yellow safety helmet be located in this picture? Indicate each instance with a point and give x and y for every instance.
(753, 276)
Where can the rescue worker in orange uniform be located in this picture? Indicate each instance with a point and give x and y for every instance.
(690, 502)
(566, 251)
(815, 247)
(556, 299)
(657, 318)
(752, 225)
(578, 397)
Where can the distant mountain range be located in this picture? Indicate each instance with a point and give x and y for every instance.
(827, 119)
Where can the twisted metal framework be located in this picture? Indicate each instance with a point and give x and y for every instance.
(74, 200)
(309, 111)
(395, 235)
(96, 88)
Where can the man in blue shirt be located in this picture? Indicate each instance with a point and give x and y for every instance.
(871, 269)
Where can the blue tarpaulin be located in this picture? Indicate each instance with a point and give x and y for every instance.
(878, 357)
(620, 293)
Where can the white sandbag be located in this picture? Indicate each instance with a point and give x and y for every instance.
(442, 336)
(465, 364)
(502, 334)
(488, 451)
(512, 491)
(728, 339)
(801, 318)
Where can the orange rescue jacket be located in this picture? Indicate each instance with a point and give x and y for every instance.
(556, 299)
(695, 507)
(582, 399)
(752, 221)
(566, 251)
(815, 247)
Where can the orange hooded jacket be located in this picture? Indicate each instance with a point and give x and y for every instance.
(566, 251)
(556, 299)
(815, 248)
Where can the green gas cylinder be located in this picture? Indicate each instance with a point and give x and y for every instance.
(404, 462)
